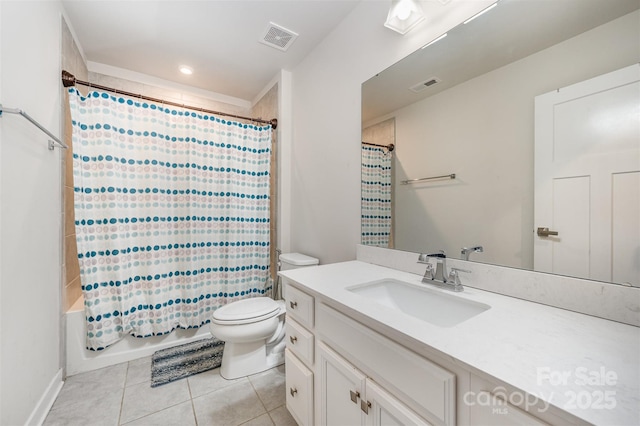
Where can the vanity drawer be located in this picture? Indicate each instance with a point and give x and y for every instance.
(299, 387)
(424, 386)
(300, 306)
(299, 341)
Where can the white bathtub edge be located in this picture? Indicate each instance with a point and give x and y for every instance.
(80, 360)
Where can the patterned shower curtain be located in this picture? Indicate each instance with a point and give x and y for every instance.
(376, 196)
(171, 214)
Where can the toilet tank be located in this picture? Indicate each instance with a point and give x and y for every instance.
(292, 261)
(296, 260)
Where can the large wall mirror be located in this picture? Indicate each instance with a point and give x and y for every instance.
(469, 104)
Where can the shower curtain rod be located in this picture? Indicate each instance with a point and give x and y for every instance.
(390, 147)
(69, 80)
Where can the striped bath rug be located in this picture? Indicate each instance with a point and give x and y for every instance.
(185, 360)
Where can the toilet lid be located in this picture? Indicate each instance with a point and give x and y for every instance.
(246, 309)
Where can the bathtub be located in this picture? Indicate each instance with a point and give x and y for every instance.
(79, 359)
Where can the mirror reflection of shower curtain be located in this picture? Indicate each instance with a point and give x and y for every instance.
(376, 196)
(171, 214)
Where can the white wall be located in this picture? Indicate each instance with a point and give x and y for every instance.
(30, 211)
(325, 195)
(483, 130)
(285, 129)
(1, 234)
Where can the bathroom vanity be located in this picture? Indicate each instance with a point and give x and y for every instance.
(359, 352)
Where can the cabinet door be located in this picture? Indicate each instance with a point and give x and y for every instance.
(299, 384)
(384, 409)
(339, 389)
(427, 388)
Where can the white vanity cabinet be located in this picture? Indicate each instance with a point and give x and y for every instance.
(357, 376)
(299, 388)
(414, 381)
(347, 396)
(299, 355)
(340, 389)
(347, 355)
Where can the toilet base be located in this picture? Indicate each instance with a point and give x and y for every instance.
(245, 359)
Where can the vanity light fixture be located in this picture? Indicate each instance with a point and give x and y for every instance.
(482, 12)
(186, 70)
(404, 15)
(434, 41)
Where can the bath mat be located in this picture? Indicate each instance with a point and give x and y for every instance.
(185, 360)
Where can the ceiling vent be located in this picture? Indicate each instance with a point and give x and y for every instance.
(417, 88)
(278, 37)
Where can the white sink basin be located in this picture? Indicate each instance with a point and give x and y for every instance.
(434, 307)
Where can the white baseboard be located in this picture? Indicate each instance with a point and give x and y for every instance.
(46, 401)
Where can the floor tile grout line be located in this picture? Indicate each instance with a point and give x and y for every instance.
(163, 408)
(193, 407)
(124, 388)
(257, 394)
(126, 383)
(271, 417)
(151, 414)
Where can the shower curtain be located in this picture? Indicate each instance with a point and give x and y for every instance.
(171, 214)
(376, 196)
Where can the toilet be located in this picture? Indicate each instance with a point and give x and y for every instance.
(253, 329)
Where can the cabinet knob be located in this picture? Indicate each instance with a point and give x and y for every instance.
(364, 406)
(293, 339)
(293, 391)
(293, 304)
(354, 396)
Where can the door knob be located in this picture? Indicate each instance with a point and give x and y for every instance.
(544, 232)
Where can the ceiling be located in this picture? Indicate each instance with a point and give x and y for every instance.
(513, 30)
(218, 39)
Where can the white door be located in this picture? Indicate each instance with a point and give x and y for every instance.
(383, 409)
(340, 389)
(587, 179)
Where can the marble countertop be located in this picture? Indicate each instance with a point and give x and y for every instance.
(586, 366)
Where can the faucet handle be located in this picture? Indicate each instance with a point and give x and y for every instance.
(453, 275)
(429, 273)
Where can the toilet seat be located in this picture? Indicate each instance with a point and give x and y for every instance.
(246, 311)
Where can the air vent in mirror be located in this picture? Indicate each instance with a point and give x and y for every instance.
(417, 88)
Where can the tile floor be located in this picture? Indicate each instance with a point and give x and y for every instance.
(122, 395)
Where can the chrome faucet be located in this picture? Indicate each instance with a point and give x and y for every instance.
(441, 266)
(440, 277)
(466, 251)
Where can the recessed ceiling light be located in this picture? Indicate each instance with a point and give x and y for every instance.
(186, 70)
